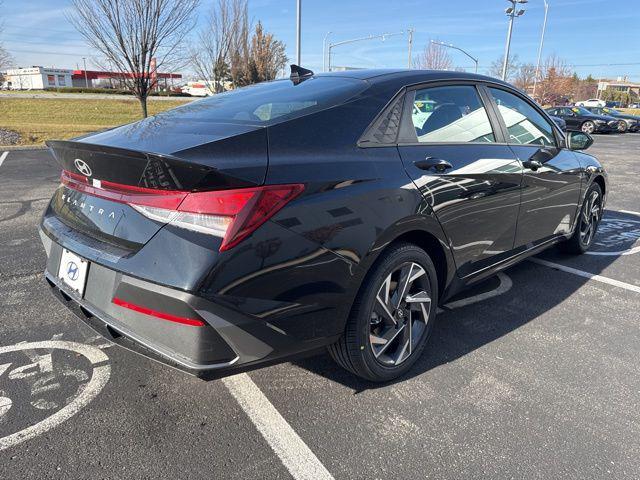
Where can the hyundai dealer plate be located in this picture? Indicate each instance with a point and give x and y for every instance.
(73, 270)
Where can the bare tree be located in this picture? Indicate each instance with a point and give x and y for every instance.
(5, 57)
(495, 70)
(525, 76)
(433, 57)
(211, 58)
(135, 37)
(240, 55)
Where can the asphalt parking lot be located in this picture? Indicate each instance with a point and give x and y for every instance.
(533, 374)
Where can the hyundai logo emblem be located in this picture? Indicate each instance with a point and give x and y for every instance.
(82, 167)
(72, 271)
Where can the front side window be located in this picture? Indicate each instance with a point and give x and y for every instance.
(450, 114)
(525, 125)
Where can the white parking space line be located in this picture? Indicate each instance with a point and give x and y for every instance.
(295, 455)
(630, 212)
(3, 157)
(590, 276)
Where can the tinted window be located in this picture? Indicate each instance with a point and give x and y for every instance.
(525, 125)
(450, 114)
(270, 102)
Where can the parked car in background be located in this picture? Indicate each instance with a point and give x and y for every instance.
(320, 210)
(631, 122)
(592, 102)
(634, 105)
(560, 122)
(581, 119)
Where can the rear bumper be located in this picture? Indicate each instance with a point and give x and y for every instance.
(228, 341)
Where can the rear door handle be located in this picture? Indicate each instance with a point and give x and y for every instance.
(438, 164)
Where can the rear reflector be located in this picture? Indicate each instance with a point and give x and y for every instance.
(154, 313)
(229, 214)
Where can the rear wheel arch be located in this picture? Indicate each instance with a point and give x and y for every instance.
(423, 238)
(603, 185)
(434, 248)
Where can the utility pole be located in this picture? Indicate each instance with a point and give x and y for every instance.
(544, 27)
(298, 30)
(410, 45)
(512, 13)
(86, 79)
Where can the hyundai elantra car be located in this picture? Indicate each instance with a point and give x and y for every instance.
(331, 211)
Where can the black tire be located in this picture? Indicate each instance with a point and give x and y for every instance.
(355, 349)
(588, 127)
(583, 236)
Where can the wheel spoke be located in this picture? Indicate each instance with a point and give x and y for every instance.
(403, 283)
(386, 286)
(385, 310)
(585, 215)
(384, 340)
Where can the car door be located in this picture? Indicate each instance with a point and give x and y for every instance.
(471, 179)
(573, 121)
(552, 174)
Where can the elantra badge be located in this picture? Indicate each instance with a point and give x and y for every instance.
(82, 167)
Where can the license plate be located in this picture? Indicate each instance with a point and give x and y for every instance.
(73, 270)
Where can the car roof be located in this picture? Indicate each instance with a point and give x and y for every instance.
(409, 76)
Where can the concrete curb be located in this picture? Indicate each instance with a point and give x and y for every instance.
(9, 148)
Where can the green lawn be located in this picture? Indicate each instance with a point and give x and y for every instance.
(40, 119)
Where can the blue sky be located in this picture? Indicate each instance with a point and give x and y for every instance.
(600, 37)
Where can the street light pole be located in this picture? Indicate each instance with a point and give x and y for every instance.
(324, 51)
(86, 80)
(544, 27)
(512, 13)
(369, 37)
(448, 45)
(298, 30)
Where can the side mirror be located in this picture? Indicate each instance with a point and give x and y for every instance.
(579, 140)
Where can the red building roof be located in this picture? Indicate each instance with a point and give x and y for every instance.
(95, 75)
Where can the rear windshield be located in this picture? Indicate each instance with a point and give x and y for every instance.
(271, 102)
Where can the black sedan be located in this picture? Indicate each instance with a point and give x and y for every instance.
(320, 211)
(560, 122)
(581, 119)
(630, 123)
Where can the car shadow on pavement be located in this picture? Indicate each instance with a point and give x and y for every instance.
(536, 289)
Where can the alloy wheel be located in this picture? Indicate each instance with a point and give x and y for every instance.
(588, 127)
(590, 217)
(400, 314)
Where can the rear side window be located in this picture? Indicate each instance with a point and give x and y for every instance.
(525, 125)
(450, 114)
(271, 102)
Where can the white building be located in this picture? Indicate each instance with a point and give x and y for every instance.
(621, 84)
(38, 78)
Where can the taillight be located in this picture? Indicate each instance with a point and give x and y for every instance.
(229, 214)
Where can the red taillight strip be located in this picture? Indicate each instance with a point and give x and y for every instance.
(154, 313)
(169, 199)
